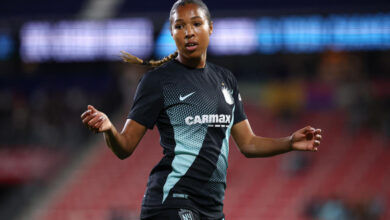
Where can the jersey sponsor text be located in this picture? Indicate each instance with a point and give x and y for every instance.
(204, 119)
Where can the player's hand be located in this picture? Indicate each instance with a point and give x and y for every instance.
(306, 139)
(96, 120)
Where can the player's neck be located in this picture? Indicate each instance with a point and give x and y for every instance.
(196, 63)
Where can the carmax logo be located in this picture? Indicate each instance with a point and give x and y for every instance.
(214, 120)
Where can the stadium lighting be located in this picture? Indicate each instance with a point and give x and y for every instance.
(67, 41)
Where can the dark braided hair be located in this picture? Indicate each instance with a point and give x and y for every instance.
(129, 58)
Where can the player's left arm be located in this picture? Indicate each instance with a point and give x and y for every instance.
(305, 139)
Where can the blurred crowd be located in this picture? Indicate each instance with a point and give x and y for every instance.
(289, 85)
(362, 89)
(338, 208)
(41, 131)
(43, 109)
(40, 104)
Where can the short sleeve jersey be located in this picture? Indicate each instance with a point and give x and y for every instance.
(194, 110)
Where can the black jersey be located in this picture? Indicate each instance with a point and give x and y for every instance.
(194, 110)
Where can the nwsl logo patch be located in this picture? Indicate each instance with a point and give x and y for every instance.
(185, 214)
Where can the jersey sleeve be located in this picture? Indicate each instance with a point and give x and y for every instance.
(239, 113)
(148, 101)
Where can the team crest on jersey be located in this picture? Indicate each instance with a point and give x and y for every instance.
(186, 214)
(227, 94)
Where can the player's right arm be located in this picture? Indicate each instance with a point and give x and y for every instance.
(121, 143)
(147, 105)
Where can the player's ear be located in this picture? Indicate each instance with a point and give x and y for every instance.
(211, 27)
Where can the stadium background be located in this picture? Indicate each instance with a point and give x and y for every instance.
(323, 63)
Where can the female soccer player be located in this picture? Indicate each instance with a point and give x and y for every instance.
(196, 105)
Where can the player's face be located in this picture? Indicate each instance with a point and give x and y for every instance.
(191, 30)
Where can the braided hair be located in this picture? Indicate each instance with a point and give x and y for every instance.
(129, 58)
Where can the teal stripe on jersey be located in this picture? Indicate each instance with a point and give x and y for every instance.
(187, 149)
(225, 144)
(219, 175)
